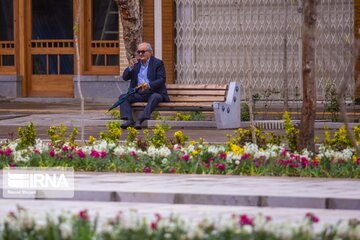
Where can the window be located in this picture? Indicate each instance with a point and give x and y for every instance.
(7, 44)
(103, 51)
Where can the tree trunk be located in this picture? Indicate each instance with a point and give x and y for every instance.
(307, 123)
(131, 18)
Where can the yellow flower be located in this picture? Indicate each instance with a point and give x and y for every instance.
(236, 149)
(354, 159)
(194, 153)
(92, 139)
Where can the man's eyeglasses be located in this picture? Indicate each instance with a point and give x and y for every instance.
(141, 52)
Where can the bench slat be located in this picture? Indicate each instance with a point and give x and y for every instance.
(197, 92)
(197, 86)
(177, 104)
(197, 98)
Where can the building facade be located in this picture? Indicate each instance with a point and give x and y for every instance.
(255, 42)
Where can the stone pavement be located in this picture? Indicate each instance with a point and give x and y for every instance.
(192, 196)
(196, 196)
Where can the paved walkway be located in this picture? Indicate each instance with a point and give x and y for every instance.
(44, 114)
(197, 196)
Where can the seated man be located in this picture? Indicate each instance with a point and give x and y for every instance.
(149, 72)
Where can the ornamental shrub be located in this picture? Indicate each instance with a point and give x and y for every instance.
(57, 135)
(292, 133)
(132, 134)
(179, 138)
(27, 136)
(159, 138)
(341, 139)
(114, 132)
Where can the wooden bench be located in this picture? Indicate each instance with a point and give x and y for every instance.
(223, 99)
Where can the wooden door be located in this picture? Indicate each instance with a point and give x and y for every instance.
(50, 48)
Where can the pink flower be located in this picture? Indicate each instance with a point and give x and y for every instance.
(296, 165)
(83, 214)
(94, 153)
(172, 170)
(65, 148)
(222, 155)
(103, 154)
(245, 156)
(153, 225)
(312, 217)
(221, 166)
(245, 220)
(69, 156)
(133, 153)
(52, 153)
(210, 159)
(12, 165)
(8, 152)
(147, 169)
(358, 161)
(80, 153)
(185, 157)
(315, 163)
(304, 162)
(283, 152)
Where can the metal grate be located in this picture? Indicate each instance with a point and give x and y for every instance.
(219, 41)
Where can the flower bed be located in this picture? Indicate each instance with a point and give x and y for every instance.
(157, 154)
(272, 160)
(21, 225)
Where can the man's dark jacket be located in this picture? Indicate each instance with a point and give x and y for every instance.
(156, 75)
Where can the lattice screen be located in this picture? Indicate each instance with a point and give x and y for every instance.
(219, 41)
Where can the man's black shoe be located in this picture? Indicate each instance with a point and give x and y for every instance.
(127, 124)
(138, 125)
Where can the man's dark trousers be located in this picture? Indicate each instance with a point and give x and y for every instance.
(152, 100)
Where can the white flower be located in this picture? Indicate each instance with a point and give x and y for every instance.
(25, 220)
(12, 145)
(119, 150)
(262, 154)
(230, 157)
(158, 152)
(355, 233)
(251, 148)
(215, 149)
(342, 229)
(21, 156)
(65, 230)
(190, 148)
(41, 146)
(164, 161)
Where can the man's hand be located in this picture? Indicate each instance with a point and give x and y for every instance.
(132, 62)
(143, 86)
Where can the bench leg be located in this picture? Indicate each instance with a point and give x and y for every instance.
(228, 114)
